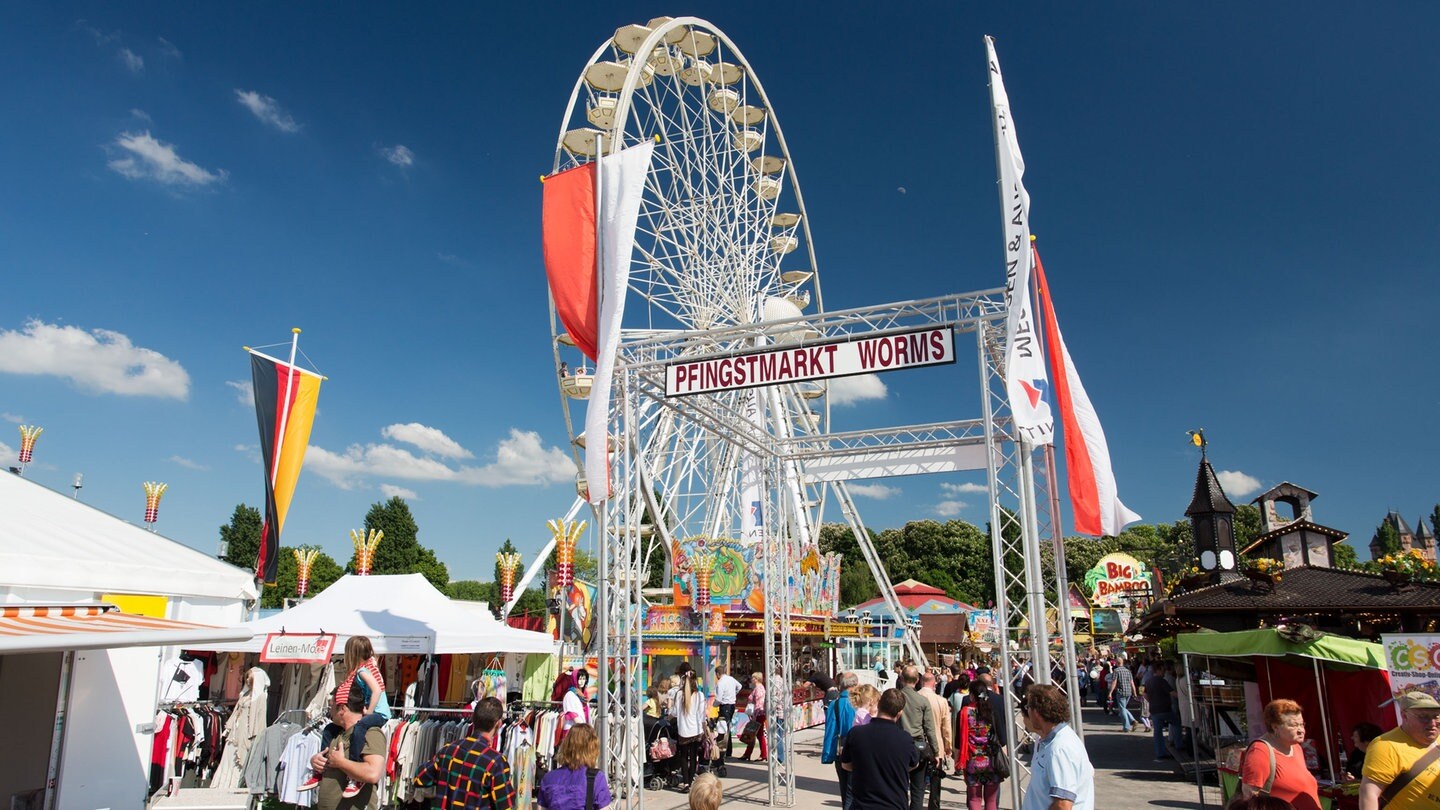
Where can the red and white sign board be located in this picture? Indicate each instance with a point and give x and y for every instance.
(298, 648)
(814, 361)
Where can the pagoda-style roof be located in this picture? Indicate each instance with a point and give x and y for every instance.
(1285, 489)
(1291, 528)
(914, 587)
(1239, 602)
(1209, 495)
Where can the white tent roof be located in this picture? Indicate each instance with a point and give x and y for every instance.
(50, 540)
(401, 613)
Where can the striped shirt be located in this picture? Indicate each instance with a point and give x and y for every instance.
(468, 774)
(342, 693)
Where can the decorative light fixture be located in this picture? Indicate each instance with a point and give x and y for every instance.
(153, 492)
(702, 564)
(365, 549)
(566, 534)
(509, 564)
(28, 435)
(304, 562)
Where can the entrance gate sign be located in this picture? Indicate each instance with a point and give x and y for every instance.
(812, 361)
(298, 648)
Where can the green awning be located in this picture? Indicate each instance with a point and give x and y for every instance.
(1267, 642)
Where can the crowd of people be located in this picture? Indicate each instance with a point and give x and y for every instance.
(891, 747)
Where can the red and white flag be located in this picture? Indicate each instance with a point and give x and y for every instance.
(1093, 493)
(587, 261)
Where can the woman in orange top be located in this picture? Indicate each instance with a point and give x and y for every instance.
(1288, 778)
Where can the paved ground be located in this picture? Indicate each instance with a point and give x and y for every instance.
(1125, 776)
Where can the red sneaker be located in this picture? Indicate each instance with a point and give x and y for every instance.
(351, 790)
(311, 782)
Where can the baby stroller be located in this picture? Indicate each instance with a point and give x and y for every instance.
(662, 760)
(712, 748)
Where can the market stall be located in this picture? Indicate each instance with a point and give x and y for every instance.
(89, 605)
(1339, 682)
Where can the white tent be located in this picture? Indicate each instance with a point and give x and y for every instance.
(400, 613)
(58, 549)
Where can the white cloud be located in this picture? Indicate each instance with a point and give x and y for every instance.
(1238, 484)
(267, 109)
(151, 159)
(168, 49)
(454, 261)
(520, 459)
(966, 488)
(431, 440)
(101, 37)
(902, 190)
(12, 418)
(392, 491)
(850, 390)
(132, 61)
(140, 115)
(99, 360)
(244, 391)
(950, 509)
(7, 452)
(879, 492)
(399, 154)
(188, 464)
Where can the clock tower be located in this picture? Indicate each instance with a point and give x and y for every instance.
(1212, 517)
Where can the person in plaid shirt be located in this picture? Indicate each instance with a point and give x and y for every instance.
(470, 774)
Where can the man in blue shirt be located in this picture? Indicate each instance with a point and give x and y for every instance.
(1061, 776)
(880, 756)
(839, 719)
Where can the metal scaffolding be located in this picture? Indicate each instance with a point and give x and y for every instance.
(1031, 608)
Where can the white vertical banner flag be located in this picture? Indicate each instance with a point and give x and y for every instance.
(752, 505)
(621, 182)
(1026, 383)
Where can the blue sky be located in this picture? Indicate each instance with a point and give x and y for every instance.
(1236, 209)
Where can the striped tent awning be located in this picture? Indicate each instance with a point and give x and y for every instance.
(49, 628)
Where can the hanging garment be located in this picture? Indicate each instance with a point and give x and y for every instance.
(246, 723)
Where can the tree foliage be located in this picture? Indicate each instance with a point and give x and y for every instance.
(1387, 539)
(241, 537)
(400, 551)
(1343, 556)
(323, 573)
(857, 584)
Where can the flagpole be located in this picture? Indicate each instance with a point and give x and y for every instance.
(602, 598)
(285, 411)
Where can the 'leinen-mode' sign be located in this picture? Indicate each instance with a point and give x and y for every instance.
(298, 648)
(816, 361)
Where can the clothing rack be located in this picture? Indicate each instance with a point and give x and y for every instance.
(436, 710)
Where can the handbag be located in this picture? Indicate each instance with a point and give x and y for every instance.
(660, 749)
(999, 762)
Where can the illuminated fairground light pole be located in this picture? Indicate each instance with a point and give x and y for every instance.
(28, 435)
(153, 493)
(721, 211)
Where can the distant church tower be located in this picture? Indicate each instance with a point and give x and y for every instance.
(1424, 541)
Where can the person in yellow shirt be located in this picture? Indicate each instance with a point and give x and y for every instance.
(1391, 756)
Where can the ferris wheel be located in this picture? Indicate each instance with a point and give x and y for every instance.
(722, 240)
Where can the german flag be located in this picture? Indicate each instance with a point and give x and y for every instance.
(285, 399)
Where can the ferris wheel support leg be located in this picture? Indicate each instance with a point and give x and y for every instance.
(877, 569)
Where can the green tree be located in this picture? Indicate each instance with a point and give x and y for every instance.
(1343, 556)
(1387, 539)
(1247, 525)
(472, 590)
(857, 583)
(241, 537)
(953, 556)
(400, 551)
(323, 573)
(1435, 520)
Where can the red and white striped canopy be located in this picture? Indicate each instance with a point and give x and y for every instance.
(41, 628)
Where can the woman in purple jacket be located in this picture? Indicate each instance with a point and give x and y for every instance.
(576, 783)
